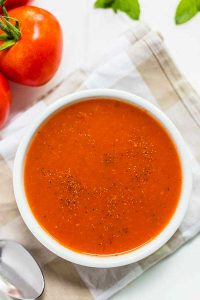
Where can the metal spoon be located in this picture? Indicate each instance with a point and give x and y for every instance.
(20, 275)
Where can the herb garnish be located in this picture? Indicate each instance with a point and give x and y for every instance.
(130, 7)
(185, 11)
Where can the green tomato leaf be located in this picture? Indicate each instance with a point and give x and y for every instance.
(186, 10)
(130, 7)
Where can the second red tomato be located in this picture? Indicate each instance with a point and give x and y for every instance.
(5, 100)
(9, 4)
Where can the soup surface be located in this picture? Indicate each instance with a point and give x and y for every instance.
(102, 177)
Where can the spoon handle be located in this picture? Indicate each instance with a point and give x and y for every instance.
(7, 288)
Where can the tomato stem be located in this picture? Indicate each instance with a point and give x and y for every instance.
(3, 37)
(2, 2)
(5, 11)
(12, 32)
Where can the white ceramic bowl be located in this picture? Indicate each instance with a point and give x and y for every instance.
(105, 261)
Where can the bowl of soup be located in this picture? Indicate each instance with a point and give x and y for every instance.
(102, 178)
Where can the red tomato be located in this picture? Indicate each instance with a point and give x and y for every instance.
(15, 3)
(5, 100)
(35, 58)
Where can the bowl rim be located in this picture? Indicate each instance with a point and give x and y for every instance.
(102, 261)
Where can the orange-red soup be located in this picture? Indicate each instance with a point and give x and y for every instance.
(102, 177)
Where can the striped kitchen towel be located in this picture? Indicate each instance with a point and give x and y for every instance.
(139, 63)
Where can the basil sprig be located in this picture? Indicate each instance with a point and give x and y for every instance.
(130, 7)
(185, 11)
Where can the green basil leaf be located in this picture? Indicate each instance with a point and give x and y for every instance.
(104, 3)
(130, 7)
(186, 10)
(198, 4)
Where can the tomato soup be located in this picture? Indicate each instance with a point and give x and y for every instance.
(102, 177)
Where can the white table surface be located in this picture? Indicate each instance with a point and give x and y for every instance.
(86, 33)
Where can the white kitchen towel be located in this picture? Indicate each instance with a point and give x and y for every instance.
(137, 62)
